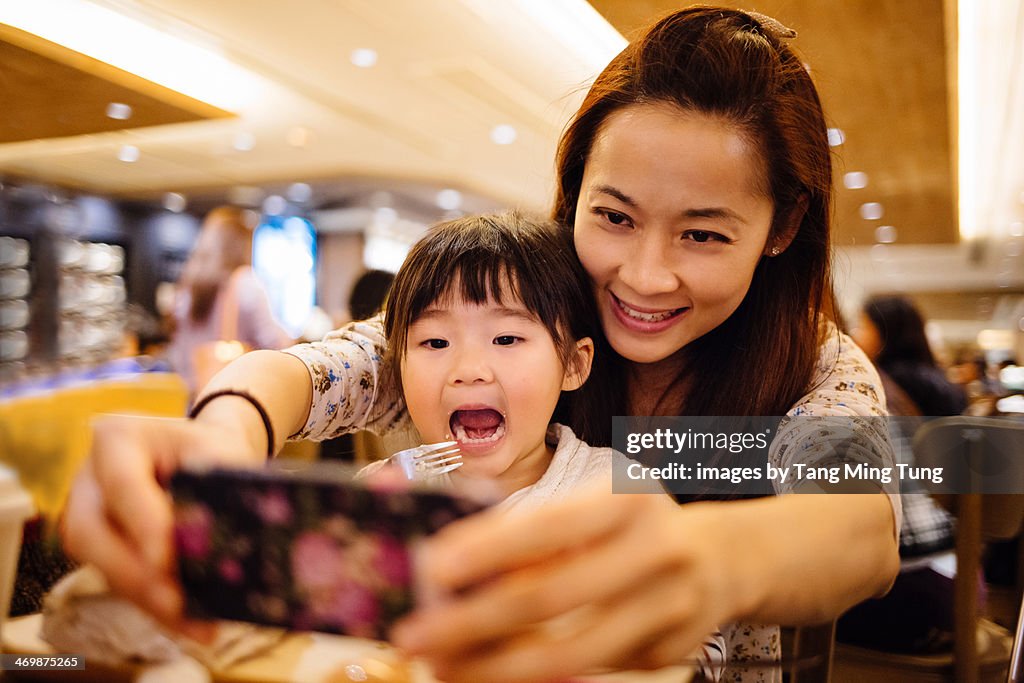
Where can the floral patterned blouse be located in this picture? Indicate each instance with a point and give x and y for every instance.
(348, 395)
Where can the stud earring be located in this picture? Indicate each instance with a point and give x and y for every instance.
(775, 251)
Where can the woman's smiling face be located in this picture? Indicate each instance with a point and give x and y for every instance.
(672, 219)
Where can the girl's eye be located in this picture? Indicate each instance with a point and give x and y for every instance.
(436, 343)
(506, 340)
(703, 236)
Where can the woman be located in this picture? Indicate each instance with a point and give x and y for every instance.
(892, 333)
(697, 180)
(219, 297)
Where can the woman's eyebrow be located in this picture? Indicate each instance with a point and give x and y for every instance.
(617, 193)
(714, 212)
(708, 212)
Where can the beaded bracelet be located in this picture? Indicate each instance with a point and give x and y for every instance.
(197, 408)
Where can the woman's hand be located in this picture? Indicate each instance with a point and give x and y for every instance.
(623, 581)
(118, 517)
(634, 581)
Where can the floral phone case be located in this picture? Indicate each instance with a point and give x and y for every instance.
(311, 549)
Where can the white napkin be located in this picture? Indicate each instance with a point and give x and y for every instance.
(81, 615)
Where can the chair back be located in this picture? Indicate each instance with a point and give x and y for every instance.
(982, 461)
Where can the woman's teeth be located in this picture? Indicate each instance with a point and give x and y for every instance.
(647, 317)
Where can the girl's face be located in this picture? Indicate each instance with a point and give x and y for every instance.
(488, 376)
(672, 219)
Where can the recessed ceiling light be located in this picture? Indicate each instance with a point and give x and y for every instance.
(175, 202)
(299, 193)
(298, 136)
(871, 211)
(363, 57)
(128, 153)
(449, 199)
(119, 111)
(244, 141)
(836, 137)
(503, 134)
(885, 234)
(855, 180)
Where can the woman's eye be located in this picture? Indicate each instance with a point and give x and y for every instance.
(435, 343)
(613, 217)
(506, 340)
(703, 236)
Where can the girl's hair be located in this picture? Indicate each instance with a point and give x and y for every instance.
(502, 257)
(901, 329)
(225, 244)
(729, 65)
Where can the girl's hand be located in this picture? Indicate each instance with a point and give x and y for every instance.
(119, 518)
(622, 581)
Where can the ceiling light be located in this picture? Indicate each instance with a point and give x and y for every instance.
(836, 137)
(244, 141)
(363, 57)
(855, 180)
(119, 111)
(128, 154)
(503, 134)
(137, 47)
(577, 25)
(298, 136)
(871, 211)
(175, 202)
(885, 234)
(1017, 229)
(449, 200)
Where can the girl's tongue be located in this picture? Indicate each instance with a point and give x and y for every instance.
(478, 426)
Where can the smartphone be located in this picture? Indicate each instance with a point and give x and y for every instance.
(309, 549)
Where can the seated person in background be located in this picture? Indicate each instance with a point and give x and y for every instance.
(916, 616)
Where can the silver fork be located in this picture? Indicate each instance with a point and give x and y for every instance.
(429, 460)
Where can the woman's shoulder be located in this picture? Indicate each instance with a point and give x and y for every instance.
(844, 381)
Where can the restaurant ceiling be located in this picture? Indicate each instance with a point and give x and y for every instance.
(449, 72)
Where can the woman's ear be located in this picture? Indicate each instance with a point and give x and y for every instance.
(578, 369)
(788, 227)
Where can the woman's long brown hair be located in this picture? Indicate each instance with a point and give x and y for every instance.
(726, 64)
(224, 244)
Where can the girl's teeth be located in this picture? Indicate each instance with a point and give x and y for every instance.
(462, 437)
(647, 317)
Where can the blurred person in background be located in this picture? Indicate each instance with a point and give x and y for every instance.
(891, 331)
(219, 298)
(916, 616)
(369, 293)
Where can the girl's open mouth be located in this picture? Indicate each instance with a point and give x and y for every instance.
(480, 426)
